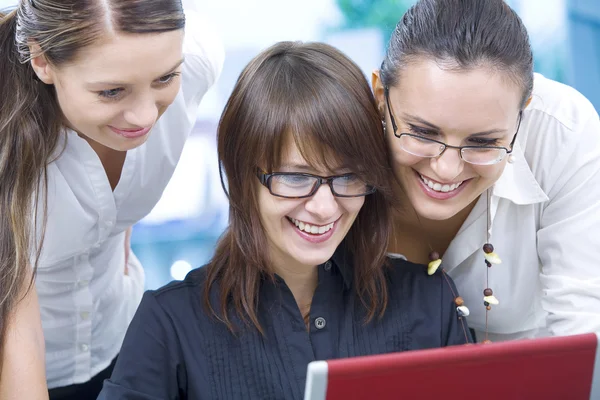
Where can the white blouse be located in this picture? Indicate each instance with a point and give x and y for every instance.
(545, 226)
(86, 299)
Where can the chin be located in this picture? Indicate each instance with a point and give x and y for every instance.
(436, 215)
(434, 210)
(316, 258)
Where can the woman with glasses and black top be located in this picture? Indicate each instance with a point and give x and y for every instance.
(301, 145)
(498, 170)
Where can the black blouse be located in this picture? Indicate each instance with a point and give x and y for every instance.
(175, 350)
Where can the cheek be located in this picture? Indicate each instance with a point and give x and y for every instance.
(81, 108)
(166, 96)
(273, 210)
(399, 156)
(490, 173)
(353, 205)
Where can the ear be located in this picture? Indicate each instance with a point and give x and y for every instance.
(40, 64)
(378, 92)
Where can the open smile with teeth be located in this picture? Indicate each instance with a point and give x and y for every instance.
(438, 187)
(312, 229)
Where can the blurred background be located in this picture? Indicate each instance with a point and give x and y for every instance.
(181, 232)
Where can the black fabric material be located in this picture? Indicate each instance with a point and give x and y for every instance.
(175, 350)
(83, 391)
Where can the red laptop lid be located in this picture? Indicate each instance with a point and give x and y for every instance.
(547, 368)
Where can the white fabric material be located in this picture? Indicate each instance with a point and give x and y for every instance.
(86, 299)
(545, 212)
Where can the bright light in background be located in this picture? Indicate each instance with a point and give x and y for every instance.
(549, 30)
(195, 186)
(258, 24)
(180, 269)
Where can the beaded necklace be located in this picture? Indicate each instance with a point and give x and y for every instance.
(490, 259)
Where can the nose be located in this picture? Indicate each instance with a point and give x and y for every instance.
(143, 113)
(322, 204)
(449, 165)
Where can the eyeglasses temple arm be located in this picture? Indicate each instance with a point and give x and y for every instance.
(387, 102)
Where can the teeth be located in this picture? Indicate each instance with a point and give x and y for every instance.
(438, 187)
(312, 229)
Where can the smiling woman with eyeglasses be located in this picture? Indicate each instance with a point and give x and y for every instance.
(301, 273)
(498, 169)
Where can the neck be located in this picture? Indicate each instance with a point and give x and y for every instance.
(416, 236)
(301, 280)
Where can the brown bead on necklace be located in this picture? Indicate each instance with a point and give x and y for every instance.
(434, 262)
(490, 259)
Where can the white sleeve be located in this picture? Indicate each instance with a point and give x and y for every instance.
(204, 56)
(569, 235)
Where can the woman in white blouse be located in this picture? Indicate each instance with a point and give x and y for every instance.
(103, 97)
(486, 151)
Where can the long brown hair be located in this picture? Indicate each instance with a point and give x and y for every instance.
(317, 96)
(30, 117)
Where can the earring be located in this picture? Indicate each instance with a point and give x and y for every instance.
(384, 124)
(511, 159)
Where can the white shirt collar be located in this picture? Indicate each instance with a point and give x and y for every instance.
(517, 183)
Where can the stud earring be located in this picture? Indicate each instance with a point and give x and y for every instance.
(511, 159)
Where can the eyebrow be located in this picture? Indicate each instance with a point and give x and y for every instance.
(117, 83)
(303, 167)
(434, 127)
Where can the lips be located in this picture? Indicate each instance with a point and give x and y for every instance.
(131, 133)
(439, 190)
(313, 238)
(440, 187)
(312, 228)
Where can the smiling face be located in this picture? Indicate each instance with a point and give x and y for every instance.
(303, 233)
(460, 108)
(116, 89)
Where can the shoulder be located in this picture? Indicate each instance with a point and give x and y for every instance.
(202, 48)
(412, 279)
(560, 102)
(179, 297)
(557, 111)
(560, 129)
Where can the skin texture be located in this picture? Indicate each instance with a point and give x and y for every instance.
(124, 81)
(461, 104)
(23, 365)
(294, 258)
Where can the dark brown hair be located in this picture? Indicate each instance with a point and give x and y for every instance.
(314, 95)
(30, 117)
(462, 34)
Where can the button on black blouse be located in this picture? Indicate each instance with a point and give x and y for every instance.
(175, 350)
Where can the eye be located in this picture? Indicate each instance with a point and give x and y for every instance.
(111, 94)
(295, 180)
(417, 130)
(483, 141)
(168, 79)
(347, 179)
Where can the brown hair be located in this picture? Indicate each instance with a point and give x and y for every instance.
(30, 117)
(314, 94)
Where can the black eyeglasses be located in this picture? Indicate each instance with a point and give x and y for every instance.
(421, 146)
(296, 185)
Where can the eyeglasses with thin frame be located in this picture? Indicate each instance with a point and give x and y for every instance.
(421, 146)
(297, 185)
